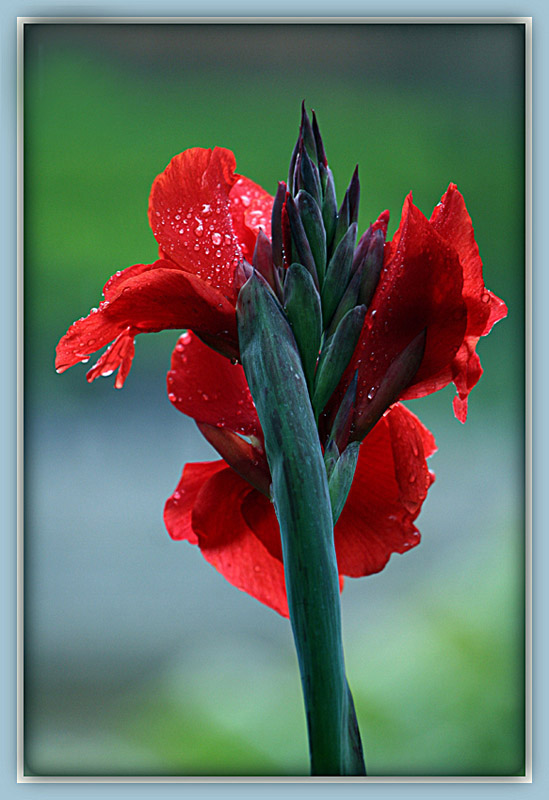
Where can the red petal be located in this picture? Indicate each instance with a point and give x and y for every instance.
(251, 208)
(259, 513)
(452, 221)
(179, 507)
(420, 288)
(389, 487)
(229, 544)
(190, 216)
(381, 222)
(208, 387)
(119, 355)
(151, 298)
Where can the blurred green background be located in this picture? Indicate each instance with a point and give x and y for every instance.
(139, 658)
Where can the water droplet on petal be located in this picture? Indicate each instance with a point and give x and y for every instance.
(216, 238)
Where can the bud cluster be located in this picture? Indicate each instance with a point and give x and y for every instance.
(324, 282)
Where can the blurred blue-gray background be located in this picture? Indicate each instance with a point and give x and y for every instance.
(139, 658)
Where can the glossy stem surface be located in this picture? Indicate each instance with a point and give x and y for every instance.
(301, 497)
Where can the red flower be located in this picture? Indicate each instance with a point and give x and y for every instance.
(234, 523)
(431, 280)
(205, 218)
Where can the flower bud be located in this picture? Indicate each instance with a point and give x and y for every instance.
(338, 274)
(302, 307)
(341, 478)
(299, 238)
(311, 217)
(263, 259)
(335, 357)
(276, 224)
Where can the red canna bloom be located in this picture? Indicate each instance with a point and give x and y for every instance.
(205, 219)
(222, 509)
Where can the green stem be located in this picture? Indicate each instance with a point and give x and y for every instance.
(300, 492)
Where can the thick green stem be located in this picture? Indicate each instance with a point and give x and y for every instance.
(300, 492)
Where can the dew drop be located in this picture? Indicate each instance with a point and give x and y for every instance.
(216, 238)
(171, 397)
(485, 297)
(372, 392)
(199, 230)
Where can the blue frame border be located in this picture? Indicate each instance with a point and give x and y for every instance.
(9, 402)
